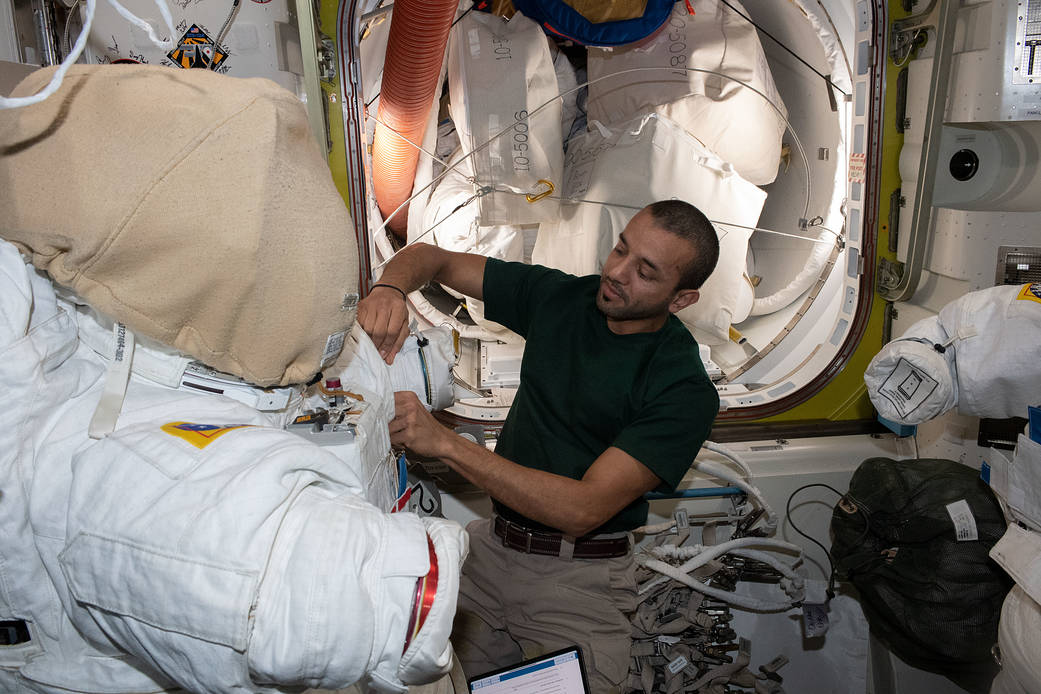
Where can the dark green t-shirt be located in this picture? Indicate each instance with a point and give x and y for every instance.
(583, 388)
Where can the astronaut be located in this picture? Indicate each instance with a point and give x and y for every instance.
(158, 533)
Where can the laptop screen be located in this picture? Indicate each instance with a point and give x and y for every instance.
(560, 672)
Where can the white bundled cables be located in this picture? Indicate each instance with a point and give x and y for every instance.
(682, 72)
(499, 72)
(982, 352)
(632, 165)
(697, 556)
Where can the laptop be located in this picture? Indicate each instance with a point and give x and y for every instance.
(560, 672)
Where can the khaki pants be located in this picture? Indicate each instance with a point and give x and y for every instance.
(514, 606)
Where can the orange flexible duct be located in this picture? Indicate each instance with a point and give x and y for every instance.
(415, 50)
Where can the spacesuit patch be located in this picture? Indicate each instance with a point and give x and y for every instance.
(200, 435)
(1030, 292)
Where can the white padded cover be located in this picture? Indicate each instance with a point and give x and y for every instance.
(452, 216)
(737, 123)
(1020, 647)
(424, 366)
(633, 165)
(498, 72)
(990, 368)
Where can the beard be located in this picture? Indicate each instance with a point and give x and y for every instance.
(618, 305)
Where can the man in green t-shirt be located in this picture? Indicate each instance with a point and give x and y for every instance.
(614, 402)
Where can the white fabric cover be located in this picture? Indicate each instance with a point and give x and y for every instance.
(428, 376)
(633, 165)
(991, 366)
(1017, 482)
(1020, 647)
(452, 216)
(734, 121)
(498, 72)
(143, 562)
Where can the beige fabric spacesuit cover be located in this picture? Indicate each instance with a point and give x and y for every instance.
(114, 183)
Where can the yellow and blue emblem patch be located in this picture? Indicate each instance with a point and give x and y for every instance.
(1030, 292)
(200, 435)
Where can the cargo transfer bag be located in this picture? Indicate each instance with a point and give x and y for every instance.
(913, 536)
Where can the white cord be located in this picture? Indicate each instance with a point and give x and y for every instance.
(81, 42)
(791, 582)
(715, 469)
(511, 126)
(729, 455)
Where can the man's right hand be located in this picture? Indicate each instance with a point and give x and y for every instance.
(383, 314)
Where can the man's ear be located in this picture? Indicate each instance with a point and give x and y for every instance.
(683, 299)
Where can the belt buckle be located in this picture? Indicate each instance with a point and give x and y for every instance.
(517, 527)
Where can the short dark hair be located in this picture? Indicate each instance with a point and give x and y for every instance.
(688, 222)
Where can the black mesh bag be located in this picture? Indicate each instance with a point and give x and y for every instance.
(931, 599)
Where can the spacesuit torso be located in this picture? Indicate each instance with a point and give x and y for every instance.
(200, 544)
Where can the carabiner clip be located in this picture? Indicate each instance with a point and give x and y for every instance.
(549, 191)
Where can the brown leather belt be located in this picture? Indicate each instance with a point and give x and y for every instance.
(529, 541)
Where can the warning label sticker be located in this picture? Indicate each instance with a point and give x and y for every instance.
(200, 435)
(907, 387)
(197, 50)
(857, 167)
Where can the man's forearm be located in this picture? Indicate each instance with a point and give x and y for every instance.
(554, 500)
(412, 267)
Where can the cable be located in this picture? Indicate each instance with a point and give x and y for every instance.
(81, 42)
(65, 46)
(223, 31)
(511, 126)
(910, 50)
(831, 562)
(778, 42)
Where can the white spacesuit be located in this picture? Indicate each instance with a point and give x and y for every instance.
(200, 544)
(194, 542)
(982, 354)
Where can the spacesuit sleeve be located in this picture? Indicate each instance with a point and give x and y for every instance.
(246, 558)
(513, 292)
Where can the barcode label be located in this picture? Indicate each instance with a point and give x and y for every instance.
(964, 522)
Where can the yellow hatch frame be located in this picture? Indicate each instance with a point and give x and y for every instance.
(844, 397)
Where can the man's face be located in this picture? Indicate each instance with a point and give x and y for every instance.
(638, 284)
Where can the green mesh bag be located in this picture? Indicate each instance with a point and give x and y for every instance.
(932, 599)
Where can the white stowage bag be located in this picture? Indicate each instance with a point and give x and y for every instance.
(740, 125)
(988, 362)
(453, 219)
(634, 165)
(1020, 648)
(498, 73)
(199, 546)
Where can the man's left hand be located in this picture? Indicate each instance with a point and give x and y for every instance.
(414, 427)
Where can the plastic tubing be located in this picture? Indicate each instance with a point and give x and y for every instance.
(415, 51)
(729, 455)
(792, 586)
(718, 470)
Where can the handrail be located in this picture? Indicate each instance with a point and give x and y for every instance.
(941, 16)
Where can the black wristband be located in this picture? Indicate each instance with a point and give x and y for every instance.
(397, 289)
